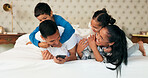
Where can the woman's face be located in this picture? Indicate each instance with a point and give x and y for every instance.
(95, 25)
(102, 37)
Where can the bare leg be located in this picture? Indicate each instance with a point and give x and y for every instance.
(141, 48)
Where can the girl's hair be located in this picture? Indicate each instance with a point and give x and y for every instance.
(103, 17)
(119, 48)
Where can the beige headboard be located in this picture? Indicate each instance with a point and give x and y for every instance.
(131, 15)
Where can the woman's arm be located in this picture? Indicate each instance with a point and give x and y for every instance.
(81, 46)
(93, 46)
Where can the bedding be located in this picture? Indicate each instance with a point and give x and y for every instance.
(25, 61)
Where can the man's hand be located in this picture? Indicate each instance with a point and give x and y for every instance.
(47, 55)
(60, 60)
(43, 45)
(29, 43)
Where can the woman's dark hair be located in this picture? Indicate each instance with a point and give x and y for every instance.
(42, 8)
(103, 17)
(47, 28)
(119, 48)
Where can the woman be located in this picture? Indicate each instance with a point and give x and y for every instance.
(113, 39)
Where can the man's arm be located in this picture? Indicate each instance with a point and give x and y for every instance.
(72, 54)
(46, 55)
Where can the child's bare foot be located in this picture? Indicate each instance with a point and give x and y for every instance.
(141, 48)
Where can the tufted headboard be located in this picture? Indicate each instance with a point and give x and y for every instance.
(131, 15)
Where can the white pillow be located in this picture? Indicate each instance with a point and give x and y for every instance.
(22, 40)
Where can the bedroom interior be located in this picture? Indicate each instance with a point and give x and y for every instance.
(130, 15)
(132, 18)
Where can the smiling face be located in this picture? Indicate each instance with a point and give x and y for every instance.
(95, 25)
(102, 38)
(53, 40)
(44, 17)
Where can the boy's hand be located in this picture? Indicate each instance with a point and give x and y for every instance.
(29, 43)
(60, 60)
(43, 44)
(47, 55)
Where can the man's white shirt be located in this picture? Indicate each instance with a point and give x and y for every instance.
(63, 50)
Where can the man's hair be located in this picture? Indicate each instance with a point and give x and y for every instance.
(47, 28)
(42, 8)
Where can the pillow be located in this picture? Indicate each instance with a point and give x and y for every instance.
(22, 40)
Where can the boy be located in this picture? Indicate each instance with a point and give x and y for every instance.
(43, 12)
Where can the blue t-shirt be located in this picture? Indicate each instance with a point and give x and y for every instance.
(68, 32)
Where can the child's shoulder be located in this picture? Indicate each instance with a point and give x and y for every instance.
(57, 16)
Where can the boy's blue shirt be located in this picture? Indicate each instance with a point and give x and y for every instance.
(68, 30)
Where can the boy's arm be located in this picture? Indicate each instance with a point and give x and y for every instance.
(32, 37)
(68, 29)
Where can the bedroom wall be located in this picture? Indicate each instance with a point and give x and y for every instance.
(131, 15)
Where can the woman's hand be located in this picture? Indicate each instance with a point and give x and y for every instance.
(91, 42)
(107, 50)
(60, 60)
(46, 55)
(81, 46)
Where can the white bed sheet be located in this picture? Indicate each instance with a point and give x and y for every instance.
(25, 61)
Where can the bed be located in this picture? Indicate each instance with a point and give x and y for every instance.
(25, 61)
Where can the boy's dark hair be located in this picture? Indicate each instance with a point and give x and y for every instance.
(42, 8)
(103, 17)
(47, 28)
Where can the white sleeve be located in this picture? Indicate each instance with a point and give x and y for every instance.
(71, 42)
(38, 37)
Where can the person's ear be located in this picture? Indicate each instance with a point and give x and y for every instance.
(42, 37)
(51, 13)
(112, 43)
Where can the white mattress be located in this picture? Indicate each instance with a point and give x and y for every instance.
(25, 61)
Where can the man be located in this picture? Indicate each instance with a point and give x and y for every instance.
(51, 33)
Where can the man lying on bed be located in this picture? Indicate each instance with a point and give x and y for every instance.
(51, 33)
